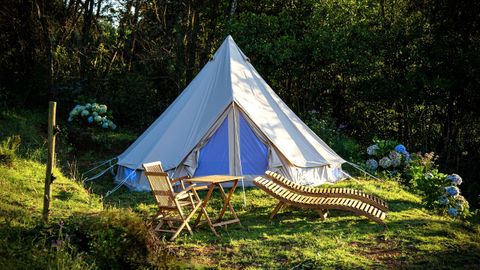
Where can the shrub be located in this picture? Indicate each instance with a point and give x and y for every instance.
(387, 156)
(92, 114)
(114, 239)
(327, 130)
(63, 255)
(439, 191)
(8, 150)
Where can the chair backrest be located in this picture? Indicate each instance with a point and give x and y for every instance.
(160, 184)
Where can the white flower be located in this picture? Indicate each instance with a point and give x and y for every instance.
(97, 118)
(385, 162)
(95, 107)
(372, 149)
(85, 113)
(102, 108)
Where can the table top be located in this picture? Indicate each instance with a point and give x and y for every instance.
(215, 178)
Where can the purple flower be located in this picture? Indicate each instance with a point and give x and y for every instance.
(401, 149)
(452, 191)
(455, 179)
(57, 243)
(453, 212)
(371, 164)
(443, 200)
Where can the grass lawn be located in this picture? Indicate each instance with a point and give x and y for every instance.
(298, 239)
(88, 233)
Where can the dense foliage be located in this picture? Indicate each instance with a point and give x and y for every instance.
(404, 70)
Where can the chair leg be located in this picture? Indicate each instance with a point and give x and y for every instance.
(189, 229)
(321, 213)
(190, 197)
(159, 225)
(185, 222)
(276, 209)
(182, 216)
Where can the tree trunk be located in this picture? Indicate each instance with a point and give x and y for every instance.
(232, 5)
(47, 46)
(180, 48)
(448, 126)
(192, 45)
(85, 41)
(133, 40)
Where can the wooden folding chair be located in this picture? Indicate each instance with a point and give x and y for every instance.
(169, 202)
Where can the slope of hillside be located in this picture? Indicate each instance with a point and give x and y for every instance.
(88, 233)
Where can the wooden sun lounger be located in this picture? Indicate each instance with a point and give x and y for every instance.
(319, 204)
(328, 192)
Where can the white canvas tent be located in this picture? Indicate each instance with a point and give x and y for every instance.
(229, 121)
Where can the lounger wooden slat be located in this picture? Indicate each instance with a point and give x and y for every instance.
(327, 192)
(319, 204)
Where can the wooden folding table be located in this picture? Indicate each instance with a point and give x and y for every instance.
(212, 181)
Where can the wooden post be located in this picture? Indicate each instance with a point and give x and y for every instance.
(51, 159)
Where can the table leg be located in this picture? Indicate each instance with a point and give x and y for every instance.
(204, 211)
(227, 201)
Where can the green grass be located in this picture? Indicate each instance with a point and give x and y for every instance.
(116, 233)
(298, 239)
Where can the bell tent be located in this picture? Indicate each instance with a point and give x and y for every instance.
(229, 121)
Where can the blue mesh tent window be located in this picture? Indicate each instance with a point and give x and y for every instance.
(213, 157)
(253, 153)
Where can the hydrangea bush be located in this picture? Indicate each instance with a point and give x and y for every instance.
(386, 156)
(450, 201)
(440, 192)
(92, 114)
